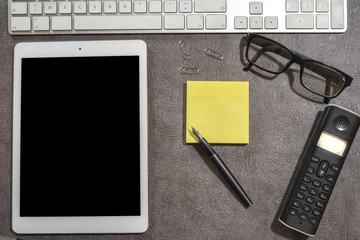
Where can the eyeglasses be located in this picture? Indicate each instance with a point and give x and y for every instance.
(275, 58)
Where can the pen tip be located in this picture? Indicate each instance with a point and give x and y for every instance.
(196, 132)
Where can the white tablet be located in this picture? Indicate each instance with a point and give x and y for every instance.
(80, 143)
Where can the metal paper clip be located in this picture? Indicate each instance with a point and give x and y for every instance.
(213, 54)
(184, 50)
(189, 70)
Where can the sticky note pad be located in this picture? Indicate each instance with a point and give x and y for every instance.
(219, 110)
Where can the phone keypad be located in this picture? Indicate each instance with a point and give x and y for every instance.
(314, 189)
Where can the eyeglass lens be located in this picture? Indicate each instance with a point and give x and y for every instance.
(268, 55)
(316, 77)
(321, 79)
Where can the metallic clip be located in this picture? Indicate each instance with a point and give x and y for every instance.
(184, 50)
(189, 70)
(213, 54)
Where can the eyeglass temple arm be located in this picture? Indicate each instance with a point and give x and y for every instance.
(254, 59)
(327, 91)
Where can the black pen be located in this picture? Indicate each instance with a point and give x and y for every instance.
(223, 169)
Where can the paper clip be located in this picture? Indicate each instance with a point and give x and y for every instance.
(189, 70)
(213, 54)
(184, 50)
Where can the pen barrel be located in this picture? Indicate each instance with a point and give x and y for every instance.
(208, 149)
(231, 180)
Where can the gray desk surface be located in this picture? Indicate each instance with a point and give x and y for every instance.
(186, 199)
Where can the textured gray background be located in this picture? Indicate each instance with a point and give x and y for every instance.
(187, 197)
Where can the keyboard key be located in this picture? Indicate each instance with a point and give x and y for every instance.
(195, 21)
(210, 6)
(292, 6)
(271, 22)
(20, 24)
(51, 8)
(80, 7)
(215, 21)
(174, 21)
(140, 7)
(322, 21)
(337, 14)
(256, 22)
(241, 22)
(65, 7)
(307, 5)
(61, 23)
(185, 6)
(322, 6)
(125, 7)
(19, 8)
(109, 7)
(95, 7)
(170, 6)
(299, 21)
(126, 22)
(35, 8)
(41, 23)
(155, 6)
(256, 8)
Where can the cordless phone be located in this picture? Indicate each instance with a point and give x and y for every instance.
(319, 169)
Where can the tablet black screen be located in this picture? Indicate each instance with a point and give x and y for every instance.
(80, 150)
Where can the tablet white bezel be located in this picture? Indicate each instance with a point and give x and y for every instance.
(67, 225)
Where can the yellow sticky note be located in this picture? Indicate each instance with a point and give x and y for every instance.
(219, 110)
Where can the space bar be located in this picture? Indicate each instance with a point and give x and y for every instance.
(117, 22)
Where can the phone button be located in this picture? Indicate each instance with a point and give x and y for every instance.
(316, 212)
(306, 179)
(313, 221)
(326, 188)
(316, 183)
(303, 216)
(296, 203)
(293, 212)
(299, 195)
(330, 178)
(320, 204)
(334, 167)
(315, 159)
(323, 167)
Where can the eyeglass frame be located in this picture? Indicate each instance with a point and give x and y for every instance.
(298, 58)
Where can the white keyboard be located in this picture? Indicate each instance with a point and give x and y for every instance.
(28, 17)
